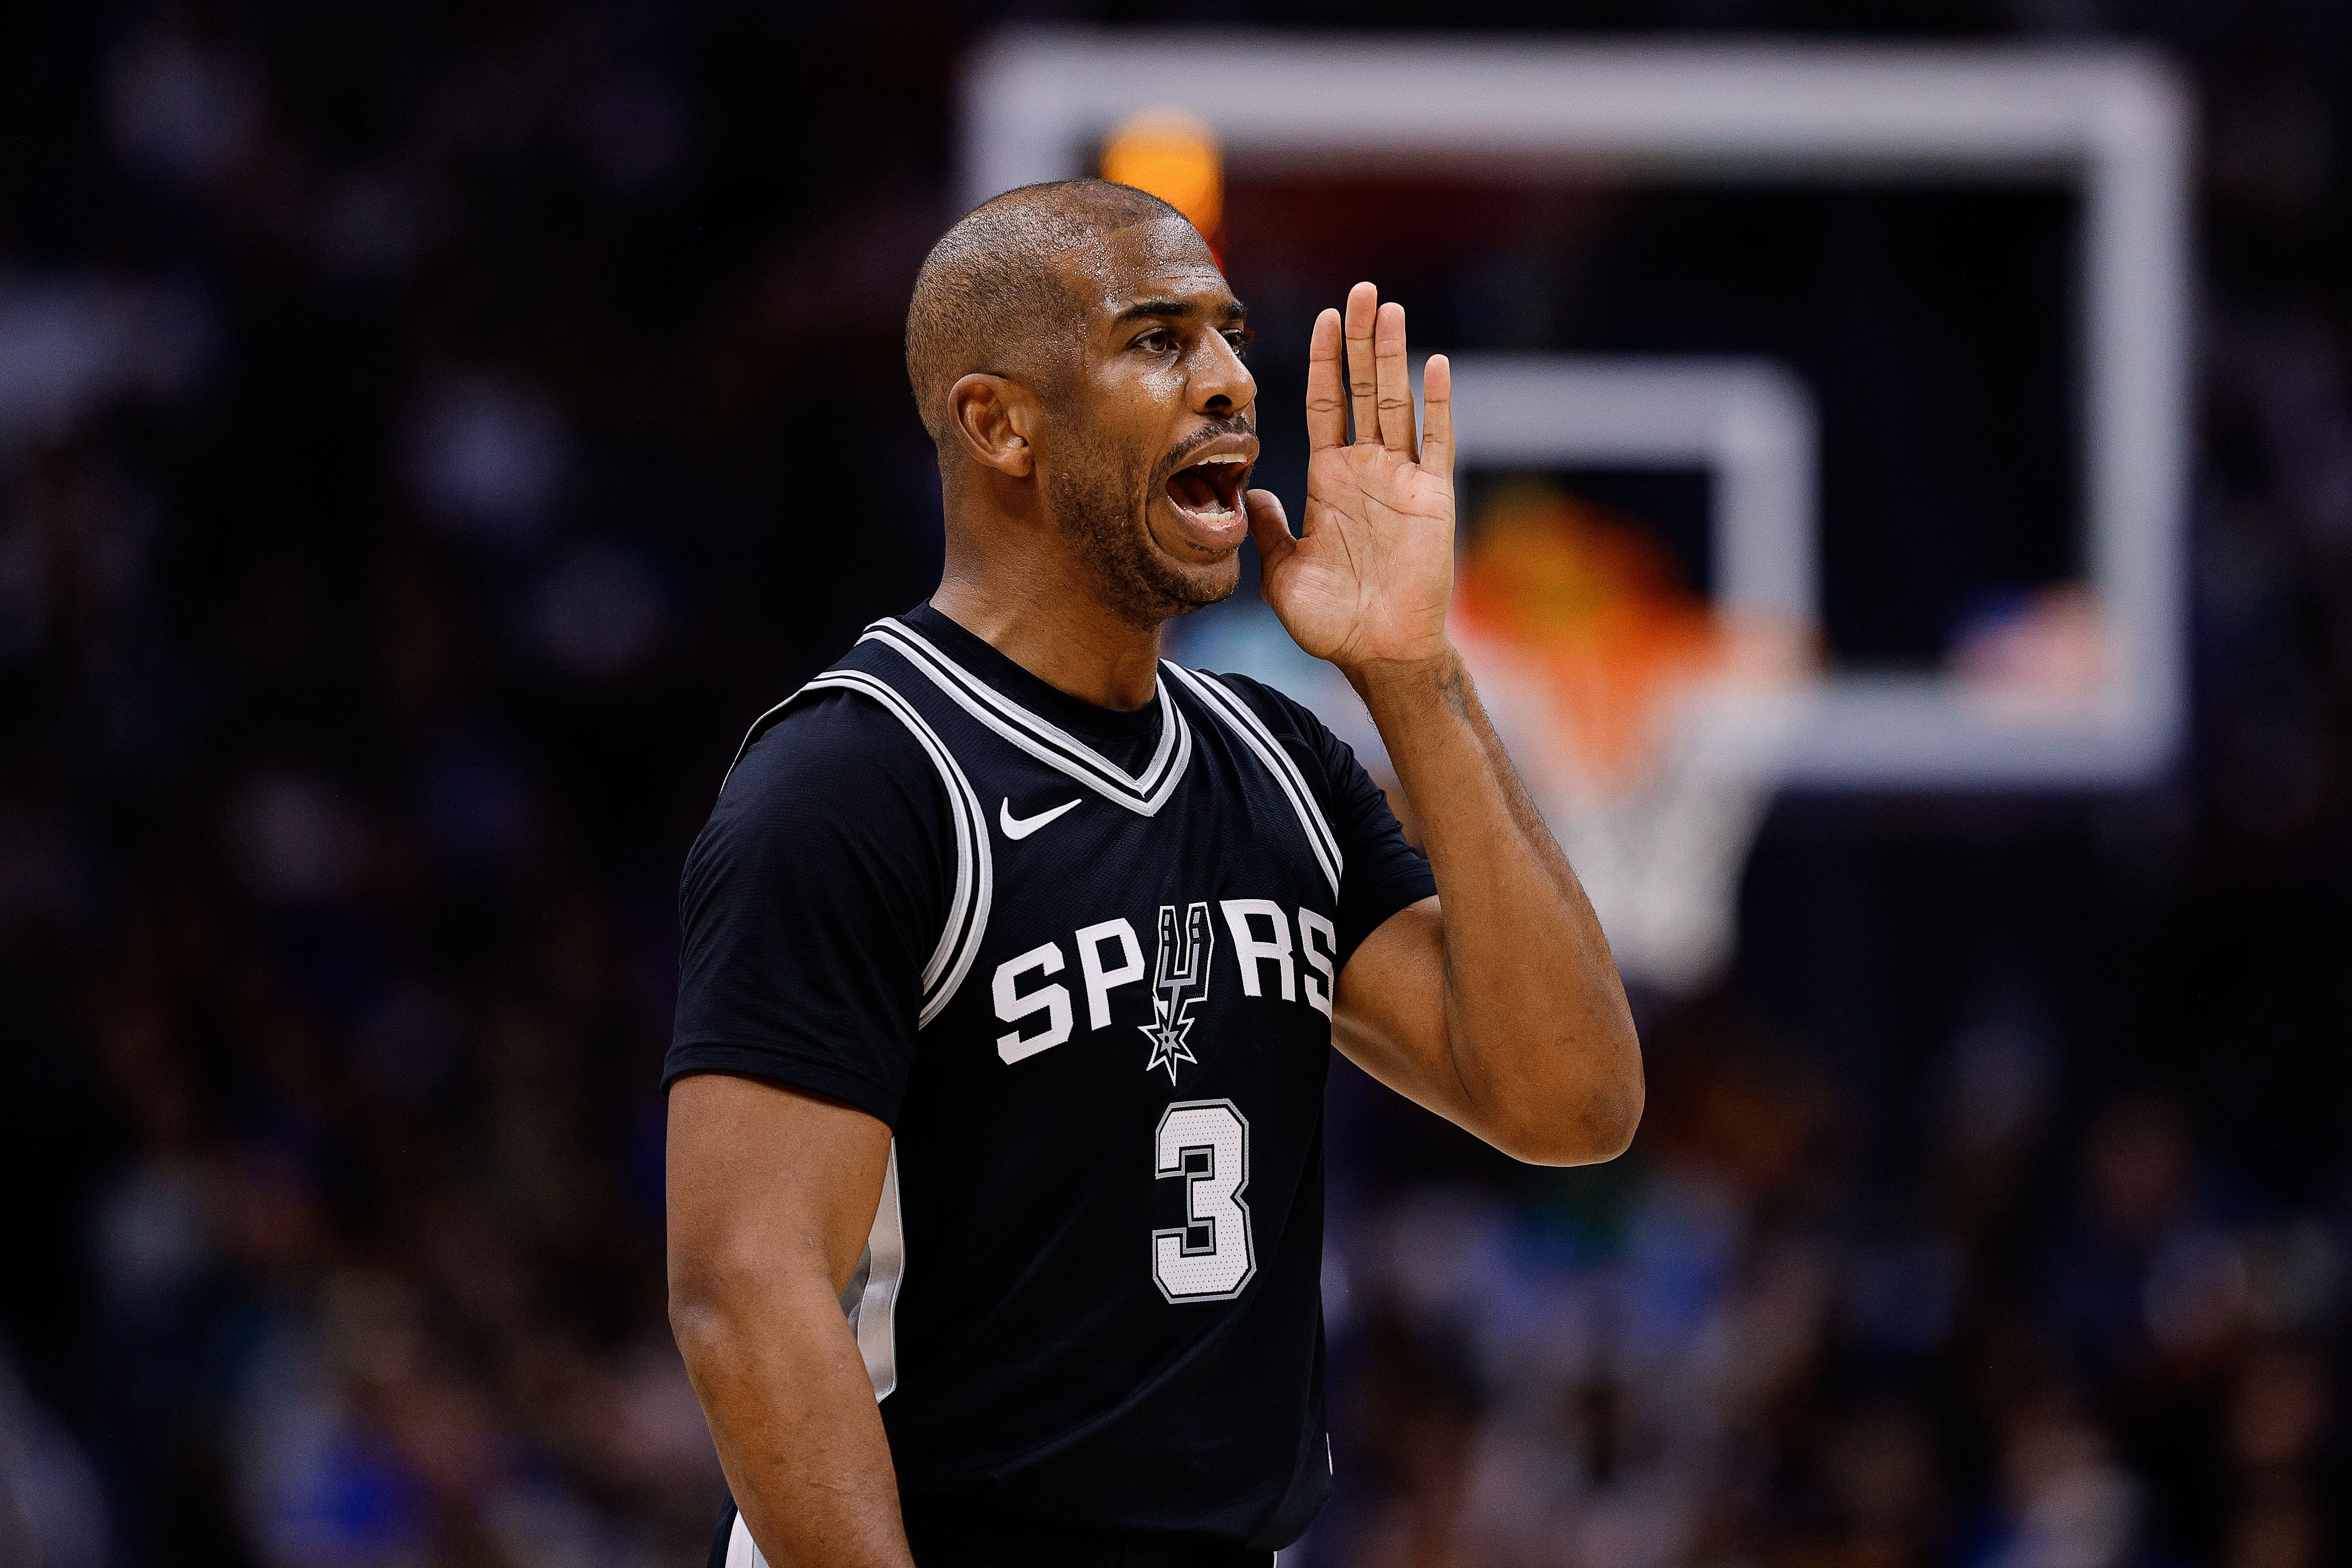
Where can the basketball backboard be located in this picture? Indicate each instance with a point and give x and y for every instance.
(2110, 126)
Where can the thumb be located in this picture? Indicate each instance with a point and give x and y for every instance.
(1270, 526)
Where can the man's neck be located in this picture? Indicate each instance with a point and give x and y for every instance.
(1058, 630)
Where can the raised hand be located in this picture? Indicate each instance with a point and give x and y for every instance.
(1368, 580)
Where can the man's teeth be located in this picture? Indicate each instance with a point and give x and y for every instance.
(1218, 512)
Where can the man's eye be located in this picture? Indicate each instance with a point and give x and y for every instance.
(1154, 341)
(1241, 343)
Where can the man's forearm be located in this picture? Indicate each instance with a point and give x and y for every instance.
(1536, 1020)
(795, 1424)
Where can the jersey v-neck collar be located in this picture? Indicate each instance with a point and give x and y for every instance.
(1057, 729)
(1042, 698)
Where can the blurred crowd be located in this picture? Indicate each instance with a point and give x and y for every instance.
(427, 434)
(1722, 1352)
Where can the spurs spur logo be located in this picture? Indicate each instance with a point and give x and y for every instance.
(1179, 984)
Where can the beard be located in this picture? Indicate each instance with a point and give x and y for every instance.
(1093, 504)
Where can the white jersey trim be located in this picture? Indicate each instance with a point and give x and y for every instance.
(1143, 794)
(759, 724)
(742, 1552)
(975, 862)
(884, 1265)
(1244, 721)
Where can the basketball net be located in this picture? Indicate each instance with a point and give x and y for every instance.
(1651, 727)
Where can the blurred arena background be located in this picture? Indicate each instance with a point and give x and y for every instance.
(428, 434)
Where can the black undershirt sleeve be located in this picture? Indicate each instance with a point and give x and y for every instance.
(809, 905)
(1381, 873)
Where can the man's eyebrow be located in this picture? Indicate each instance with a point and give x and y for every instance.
(1175, 309)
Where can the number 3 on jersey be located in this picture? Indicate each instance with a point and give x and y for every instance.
(1210, 1256)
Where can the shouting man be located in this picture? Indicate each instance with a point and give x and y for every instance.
(1014, 955)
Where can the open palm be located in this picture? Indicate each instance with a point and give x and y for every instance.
(1368, 579)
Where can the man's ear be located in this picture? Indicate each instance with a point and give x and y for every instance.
(995, 418)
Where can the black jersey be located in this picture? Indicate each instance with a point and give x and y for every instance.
(1083, 964)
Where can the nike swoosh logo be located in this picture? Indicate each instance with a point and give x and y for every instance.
(1023, 826)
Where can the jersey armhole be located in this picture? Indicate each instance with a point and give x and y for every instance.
(975, 876)
(1244, 722)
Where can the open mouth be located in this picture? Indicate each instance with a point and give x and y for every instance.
(1209, 493)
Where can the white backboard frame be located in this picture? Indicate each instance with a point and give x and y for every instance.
(2115, 121)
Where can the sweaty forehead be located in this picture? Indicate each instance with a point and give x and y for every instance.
(1167, 259)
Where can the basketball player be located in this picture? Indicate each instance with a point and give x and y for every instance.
(1013, 955)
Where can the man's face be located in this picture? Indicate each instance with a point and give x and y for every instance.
(1150, 443)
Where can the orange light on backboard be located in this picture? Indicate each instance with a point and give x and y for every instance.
(1589, 603)
(1172, 153)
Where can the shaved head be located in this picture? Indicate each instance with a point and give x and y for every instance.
(989, 297)
(1076, 356)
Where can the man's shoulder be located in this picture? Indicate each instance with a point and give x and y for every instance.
(1280, 710)
(834, 754)
(1291, 720)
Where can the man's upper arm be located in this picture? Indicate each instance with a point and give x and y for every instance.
(762, 1177)
(1390, 1016)
(807, 909)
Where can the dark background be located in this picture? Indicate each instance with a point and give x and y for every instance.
(428, 433)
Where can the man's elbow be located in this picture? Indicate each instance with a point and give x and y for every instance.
(1597, 1126)
(733, 1297)
(698, 1317)
(710, 1304)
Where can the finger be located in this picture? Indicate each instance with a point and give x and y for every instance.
(1392, 378)
(1363, 388)
(1327, 408)
(1437, 417)
(1269, 527)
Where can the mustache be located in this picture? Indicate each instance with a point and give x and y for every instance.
(1181, 457)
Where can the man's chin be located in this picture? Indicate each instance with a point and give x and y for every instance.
(1140, 579)
(1150, 590)
(1191, 582)
(1203, 585)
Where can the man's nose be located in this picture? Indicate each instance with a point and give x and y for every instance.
(1222, 383)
